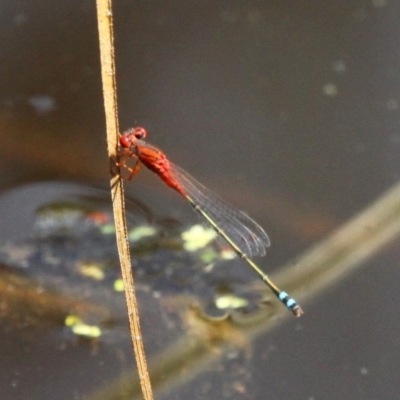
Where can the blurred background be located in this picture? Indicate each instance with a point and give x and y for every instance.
(289, 110)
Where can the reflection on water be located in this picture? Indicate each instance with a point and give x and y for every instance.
(70, 255)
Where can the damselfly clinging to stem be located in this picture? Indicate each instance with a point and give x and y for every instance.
(243, 235)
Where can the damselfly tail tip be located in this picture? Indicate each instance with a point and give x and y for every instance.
(290, 303)
(297, 311)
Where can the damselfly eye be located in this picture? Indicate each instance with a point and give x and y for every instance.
(139, 133)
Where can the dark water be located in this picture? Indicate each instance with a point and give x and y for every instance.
(290, 110)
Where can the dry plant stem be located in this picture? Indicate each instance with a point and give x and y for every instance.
(106, 38)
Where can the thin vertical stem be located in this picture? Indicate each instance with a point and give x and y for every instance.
(106, 39)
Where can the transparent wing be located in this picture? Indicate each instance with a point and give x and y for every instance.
(250, 238)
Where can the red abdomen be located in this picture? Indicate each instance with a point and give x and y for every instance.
(156, 161)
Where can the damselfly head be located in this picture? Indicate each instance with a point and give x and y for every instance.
(128, 138)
